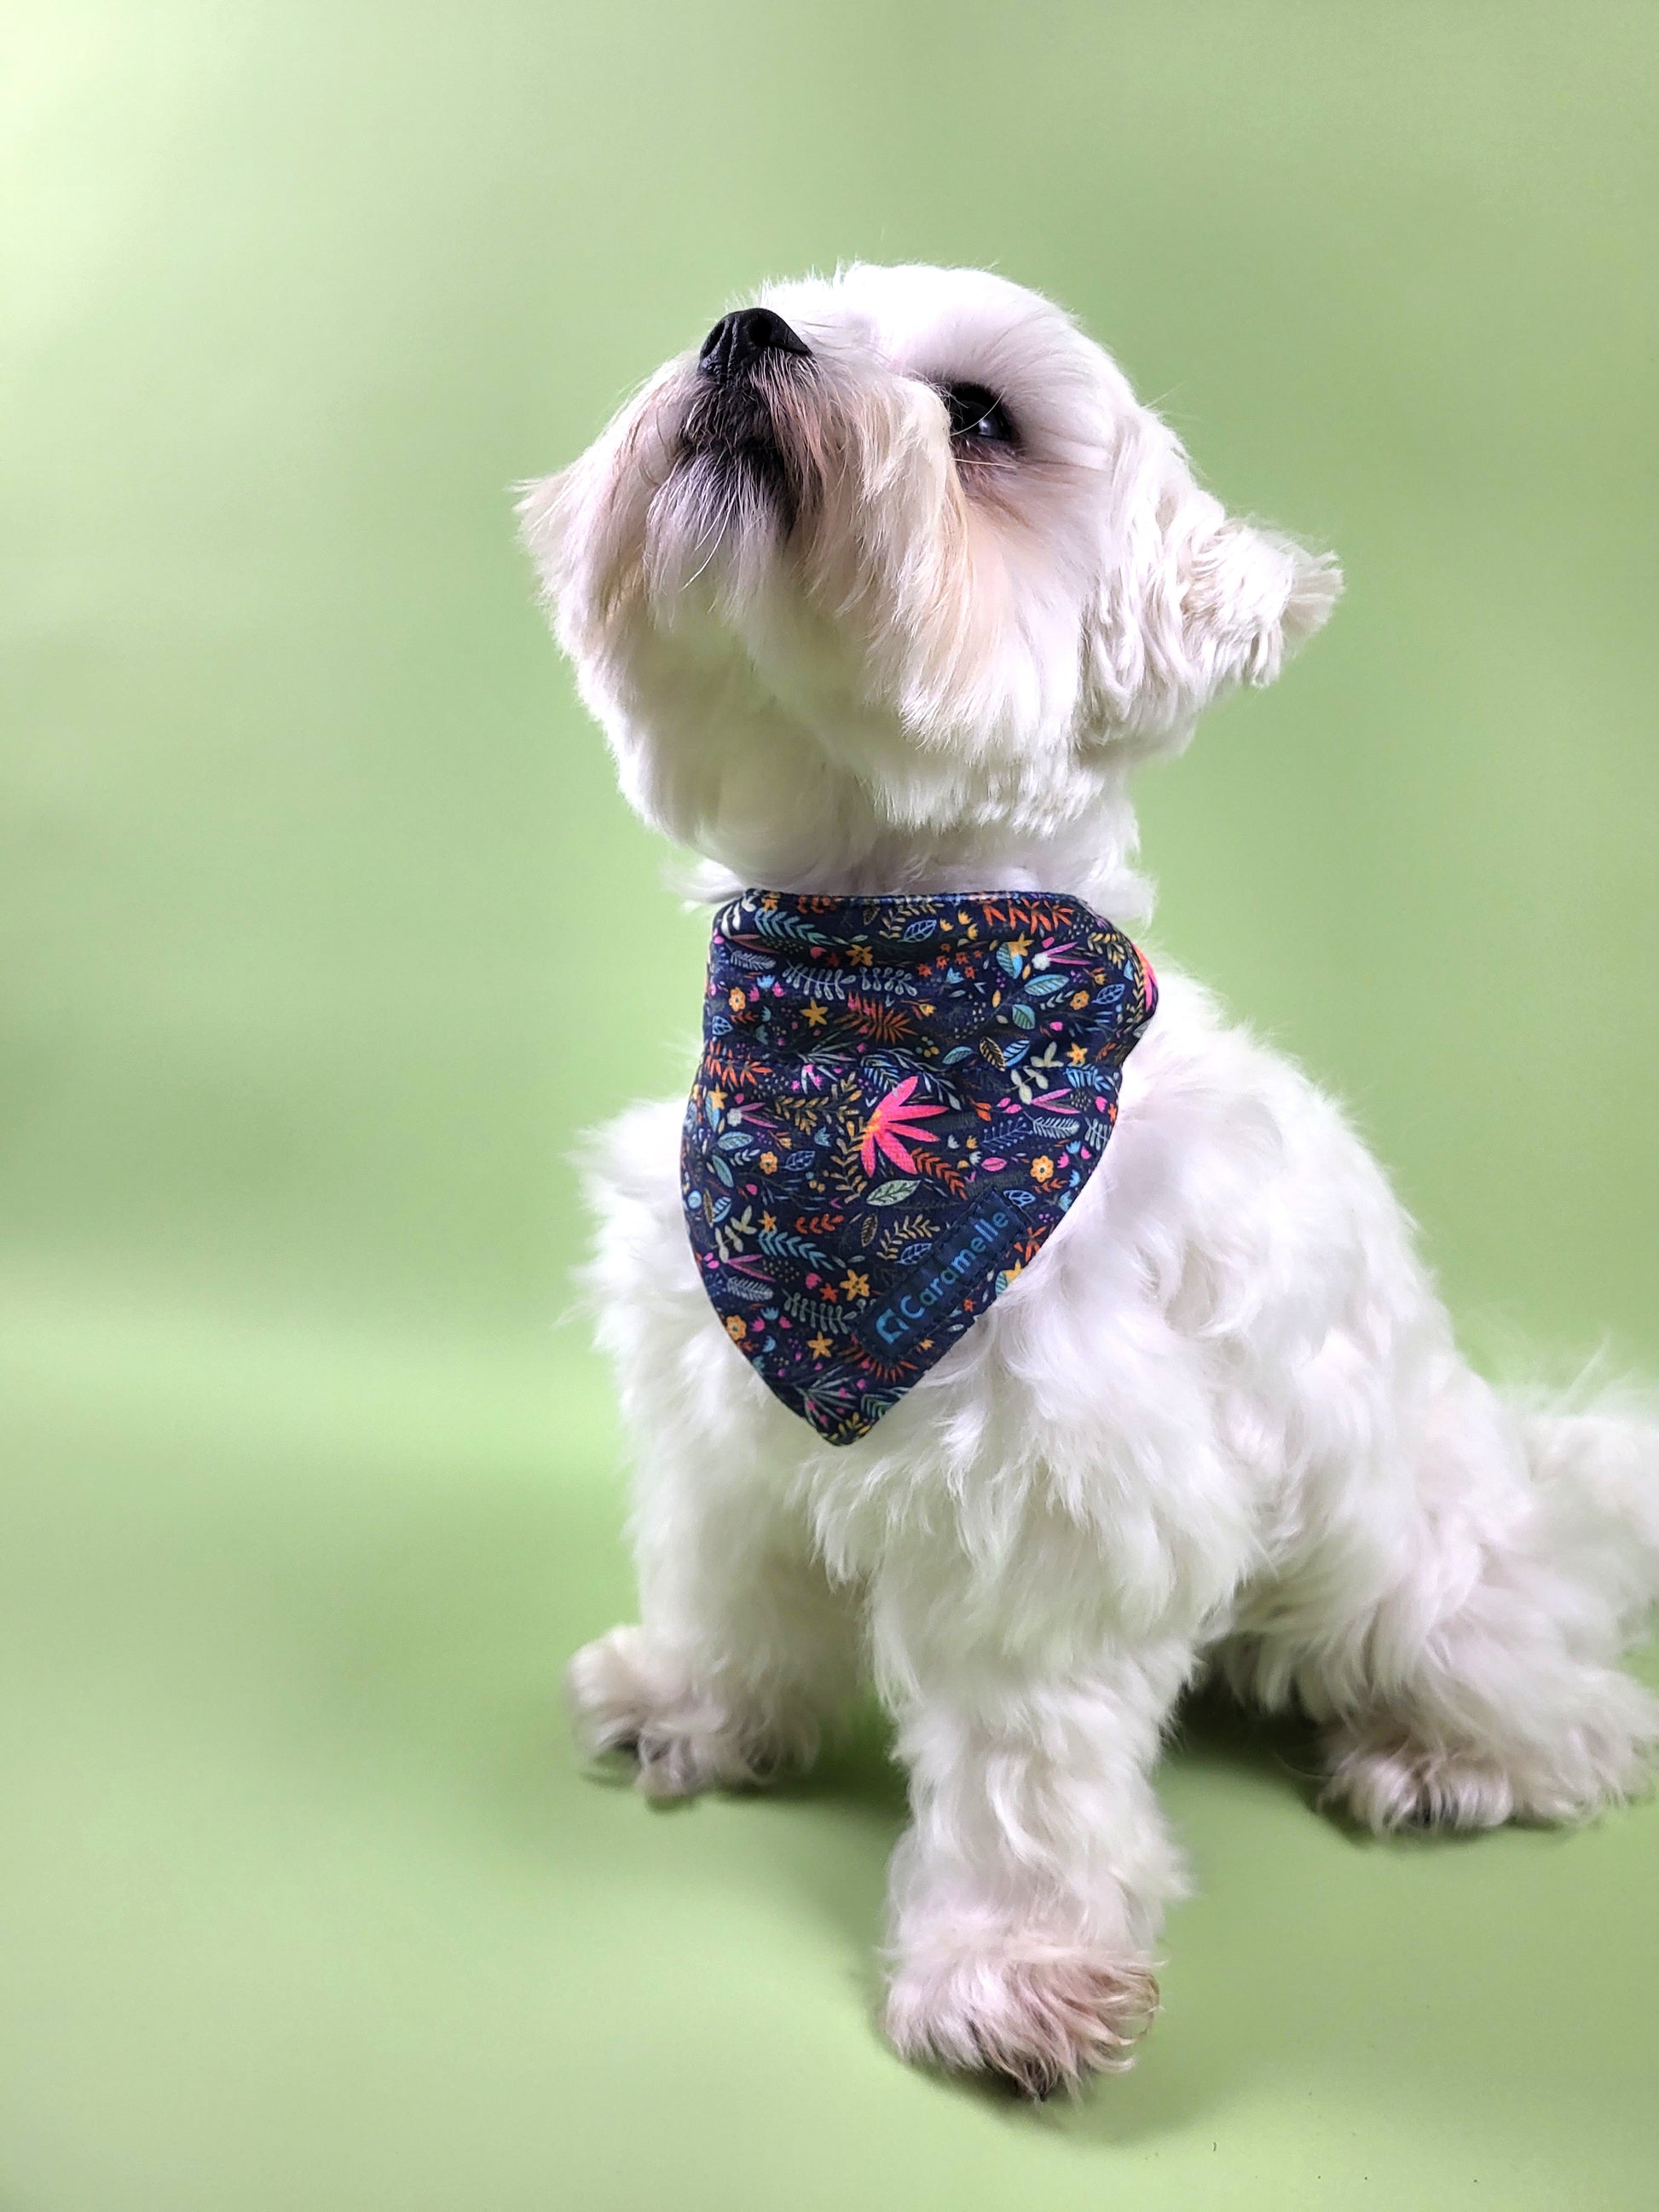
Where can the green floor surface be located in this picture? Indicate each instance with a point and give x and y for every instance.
(305, 1902)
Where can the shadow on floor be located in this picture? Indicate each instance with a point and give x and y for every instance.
(1213, 1732)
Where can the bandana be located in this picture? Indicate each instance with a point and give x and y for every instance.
(898, 1099)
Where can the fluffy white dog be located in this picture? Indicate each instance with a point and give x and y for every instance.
(889, 589)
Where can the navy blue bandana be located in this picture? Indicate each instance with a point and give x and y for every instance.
(897, 1100)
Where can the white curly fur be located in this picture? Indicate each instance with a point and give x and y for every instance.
(1221, 1421)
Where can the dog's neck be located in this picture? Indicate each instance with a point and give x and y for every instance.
(1092, 859)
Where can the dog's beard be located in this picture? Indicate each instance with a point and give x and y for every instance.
(814, 500)
(746, 469)
(730, 441)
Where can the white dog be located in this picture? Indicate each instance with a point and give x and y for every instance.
(887, 590)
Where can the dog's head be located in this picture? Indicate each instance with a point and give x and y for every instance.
(893, 568)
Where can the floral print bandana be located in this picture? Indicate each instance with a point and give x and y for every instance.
(898, 1099)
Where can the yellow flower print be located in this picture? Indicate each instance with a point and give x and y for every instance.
(819, 1346)
(855, 1285)
(1076, 1055)
(734, 1328)
(860, 955)
(768, 1221)
(817, 1016)
(768, 1163)
(735, 999)
(1043, 1169)
(1079, 1000)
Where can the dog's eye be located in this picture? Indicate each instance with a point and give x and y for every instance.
(978, 417)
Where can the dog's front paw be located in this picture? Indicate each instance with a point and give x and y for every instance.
(629, 1694)
(1042, 2015)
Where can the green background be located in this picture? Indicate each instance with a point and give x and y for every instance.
(326, 934)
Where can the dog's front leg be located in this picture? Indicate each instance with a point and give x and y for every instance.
(744, 1646)
(1028, 1893)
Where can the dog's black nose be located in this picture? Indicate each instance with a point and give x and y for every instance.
(738, 341)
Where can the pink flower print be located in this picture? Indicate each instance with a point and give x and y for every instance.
(892, 1127)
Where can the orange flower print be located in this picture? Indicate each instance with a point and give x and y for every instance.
(854, 1285)
(817, 1016)
(734, 1327)
(819, 1346)
(768, 1163)
(1043, 1169)
(735, 999)
(892, 1127)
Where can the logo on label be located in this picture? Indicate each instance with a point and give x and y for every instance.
(932, 1289)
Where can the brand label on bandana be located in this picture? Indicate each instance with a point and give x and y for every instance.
(927, 1293)
(898, 1099)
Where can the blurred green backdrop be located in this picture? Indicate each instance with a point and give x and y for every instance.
(304, 1900)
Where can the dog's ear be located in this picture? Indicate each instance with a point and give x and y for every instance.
(584, 528)
(554, 512)
(1194, 601)
(1248, 597)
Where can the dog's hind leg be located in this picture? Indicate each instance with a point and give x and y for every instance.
(1481, 1682)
